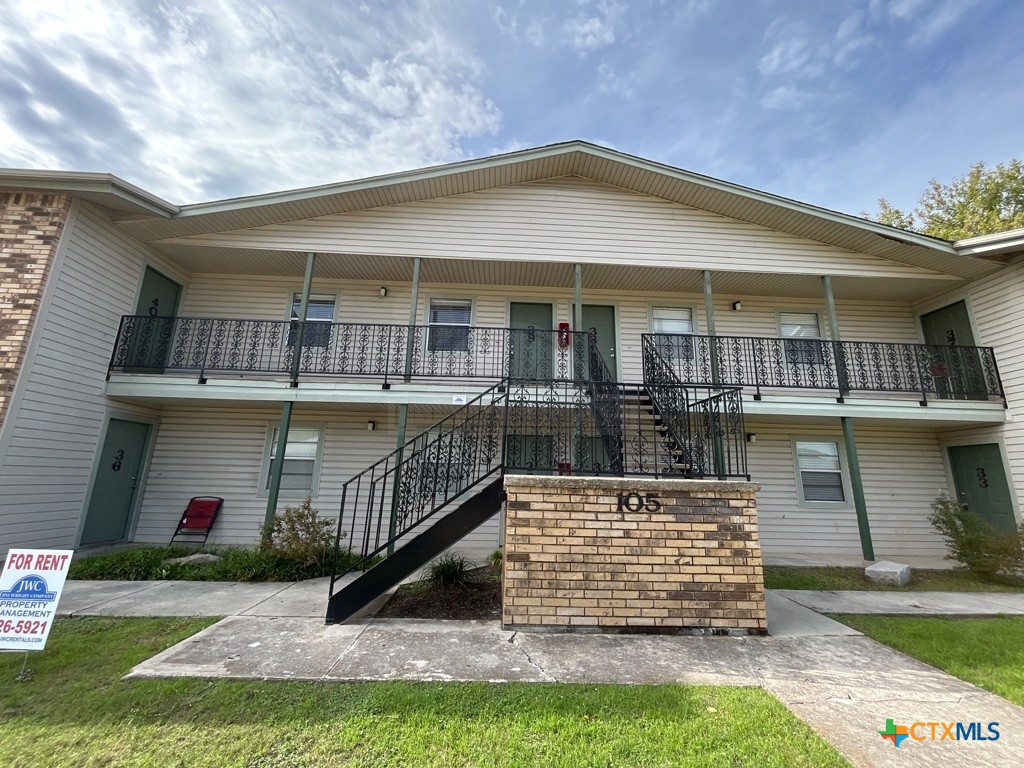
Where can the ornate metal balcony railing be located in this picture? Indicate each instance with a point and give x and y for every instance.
(202, 345)
(927, 371)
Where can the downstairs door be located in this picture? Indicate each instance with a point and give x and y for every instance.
(980, 482)
(117, 478)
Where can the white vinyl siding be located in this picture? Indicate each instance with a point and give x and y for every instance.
(51, 440)
(565, 220)
(820, 473)
(302, 454)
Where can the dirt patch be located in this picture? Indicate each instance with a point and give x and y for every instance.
(479, 598)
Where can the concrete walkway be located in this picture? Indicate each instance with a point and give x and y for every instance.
(842, 683)
(959, 604)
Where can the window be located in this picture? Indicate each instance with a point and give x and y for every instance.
(673, 320)
(319, 317)
(802, 334)
(821, 475)
(449, 325)
(301, 470)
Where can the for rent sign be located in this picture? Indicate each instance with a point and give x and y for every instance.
(30, 588)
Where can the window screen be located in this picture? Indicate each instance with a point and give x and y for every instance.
(449, 325)
(821, 476)
(300, 457)
(319, 317)
(802, 334)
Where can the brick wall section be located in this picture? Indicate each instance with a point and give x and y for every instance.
(30, 227)
(573, 561)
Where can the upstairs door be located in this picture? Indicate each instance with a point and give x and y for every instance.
(980, 482)
(599, 319)
(531, 342)
(957, 372)
(153, 331)
(113, 492)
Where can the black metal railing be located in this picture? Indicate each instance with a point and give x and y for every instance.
(203, 345)
(928, 371)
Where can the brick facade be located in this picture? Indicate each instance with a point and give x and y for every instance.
(30, 227)
(573, 560)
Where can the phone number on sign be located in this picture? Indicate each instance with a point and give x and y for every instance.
(23, 627)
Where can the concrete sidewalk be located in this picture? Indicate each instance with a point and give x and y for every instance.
(959, 604)
(842, 683)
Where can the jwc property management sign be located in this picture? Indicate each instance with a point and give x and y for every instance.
(30, 588)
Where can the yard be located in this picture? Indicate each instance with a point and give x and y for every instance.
(76, 711)
(986, 652)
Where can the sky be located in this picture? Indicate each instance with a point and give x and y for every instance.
(832, 102)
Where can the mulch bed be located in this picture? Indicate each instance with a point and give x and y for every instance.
(479, 598)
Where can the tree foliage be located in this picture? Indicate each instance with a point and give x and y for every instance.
(983, 201)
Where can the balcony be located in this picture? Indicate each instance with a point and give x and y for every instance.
(266, 348)
(926, 371)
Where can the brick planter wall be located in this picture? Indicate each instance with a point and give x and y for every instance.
(30, 226)
(688, 562)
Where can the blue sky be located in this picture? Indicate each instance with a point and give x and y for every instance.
(835, 102)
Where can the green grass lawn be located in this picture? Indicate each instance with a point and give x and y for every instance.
(77, 712)
(804, 577)
(986, 652)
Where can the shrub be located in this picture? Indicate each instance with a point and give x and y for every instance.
(495, 559)
(300, 535)
(973, 542)
(449, 570)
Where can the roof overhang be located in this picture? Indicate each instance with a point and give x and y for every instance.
(103, 189)
(1000, 245)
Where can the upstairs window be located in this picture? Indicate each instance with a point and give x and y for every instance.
(449, 325)
(319, 317)
(821, 474)
(677, 321)
(803, 337)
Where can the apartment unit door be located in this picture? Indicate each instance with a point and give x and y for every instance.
(153, 331)
(113, 491)
(599, 319)
(531, 341)
(952, 363)
(980, 481)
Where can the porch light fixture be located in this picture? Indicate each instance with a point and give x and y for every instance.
(371, 425)
(737, 306)
(383, 292)
(751, 437)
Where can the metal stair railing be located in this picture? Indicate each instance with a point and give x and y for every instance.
(387, 500)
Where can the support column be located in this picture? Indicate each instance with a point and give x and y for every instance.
(577, 310)
(277, 466)
(849, 438)
(852, 460)
(403, 409)
(709, 312)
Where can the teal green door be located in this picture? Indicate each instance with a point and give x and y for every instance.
(153, 331)
(116, 480)
(600, 320)
(531, 342)
(956, 371)
(980, 482)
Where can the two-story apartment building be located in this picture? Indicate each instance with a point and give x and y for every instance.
(146, 349)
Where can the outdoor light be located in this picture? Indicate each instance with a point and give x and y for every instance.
(371, 425)
(751, 437)
(383, 292)
(737, 306)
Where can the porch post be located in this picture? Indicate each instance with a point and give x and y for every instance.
(709, 311)
(838, 354)
(850, 441)
(277, 466)
(577, 310)
(403, 409)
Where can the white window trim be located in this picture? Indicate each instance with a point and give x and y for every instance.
(843, 471)
(290, 302)
(429, 325)
(314, 491)
(669, 305)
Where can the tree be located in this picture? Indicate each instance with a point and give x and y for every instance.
(979, 203)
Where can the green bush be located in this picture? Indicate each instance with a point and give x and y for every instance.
(495, 559)
(973, 542)
(300, 535)
(449, 570)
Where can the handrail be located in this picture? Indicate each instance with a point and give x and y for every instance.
(925, 370)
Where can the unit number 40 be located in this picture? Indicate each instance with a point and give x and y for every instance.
(635, 502)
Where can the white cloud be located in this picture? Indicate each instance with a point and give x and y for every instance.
(785, 97)
(587, 32)
(613, 84)
(189, 100)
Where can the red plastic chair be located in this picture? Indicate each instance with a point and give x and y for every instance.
(199, 517)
